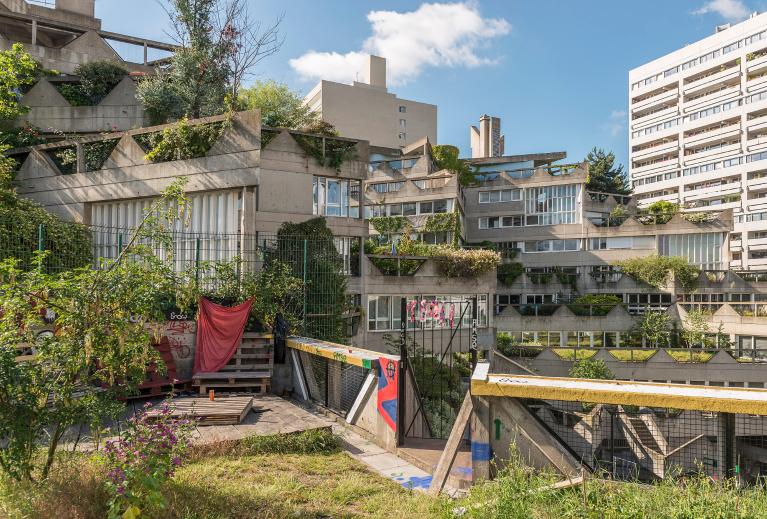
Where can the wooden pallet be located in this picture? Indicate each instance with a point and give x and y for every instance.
(250, 368)
(228, 410)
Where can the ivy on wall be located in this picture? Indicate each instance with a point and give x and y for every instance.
(509, 272)
(388, 224)
(441, 222)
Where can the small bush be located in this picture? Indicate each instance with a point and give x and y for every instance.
(314, 441)
(97, 79)
(595, 304)
(180, 141)
(467, 263)
(655, 270)
(588, 368)
(509, 272)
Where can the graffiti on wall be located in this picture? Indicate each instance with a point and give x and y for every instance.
(388, 379)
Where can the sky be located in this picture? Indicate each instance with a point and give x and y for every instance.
(555, 71)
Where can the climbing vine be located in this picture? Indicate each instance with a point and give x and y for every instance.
(330, 153)
(441, 222)
(388, 224)
(181, 141)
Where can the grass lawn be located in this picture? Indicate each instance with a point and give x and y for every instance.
(245, 480)
(684, 356)
(568, 354)
(633, 355)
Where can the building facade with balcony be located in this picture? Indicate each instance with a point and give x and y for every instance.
(698, 132)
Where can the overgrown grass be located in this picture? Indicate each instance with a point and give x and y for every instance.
(519, 493)
(287, 475)
(633, 355)
(690, 356)
(573, 354)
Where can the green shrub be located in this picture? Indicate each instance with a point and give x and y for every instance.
(446, 156)
(328, 152)
(465, 263)
(590, 368)
(655, 270)
(509, 272)
(659, 212)
(312, 441)
(388, 224)
(595, 304)
(97, 79)
(180, 141)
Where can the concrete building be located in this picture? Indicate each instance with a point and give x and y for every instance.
(367, 110)
(487, 141)
(63, 35)
(698, 134)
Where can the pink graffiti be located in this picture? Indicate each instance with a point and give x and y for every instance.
(452, 315)
(179, 347)
(411, 310)
(181, 327)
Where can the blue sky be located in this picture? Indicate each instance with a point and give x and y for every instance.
(555, 71)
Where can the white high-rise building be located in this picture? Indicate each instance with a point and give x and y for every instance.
(698, 132)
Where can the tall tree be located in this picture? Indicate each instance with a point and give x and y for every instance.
(604, 175)
(280, 106)
(219, 46)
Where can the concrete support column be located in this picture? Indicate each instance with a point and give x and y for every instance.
(481, 452)
(34, 32)
(146, 54)
(80, 158)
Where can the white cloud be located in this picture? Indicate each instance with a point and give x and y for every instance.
(732, 10)
(434, 35)
(616, 122)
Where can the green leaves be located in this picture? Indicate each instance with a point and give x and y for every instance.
(280, 106)
(655, 270)
(17, 70)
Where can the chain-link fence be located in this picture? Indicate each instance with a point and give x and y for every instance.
(220, 265)
(646, 444)
(332, 384)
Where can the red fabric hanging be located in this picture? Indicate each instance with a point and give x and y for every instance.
(219, 331)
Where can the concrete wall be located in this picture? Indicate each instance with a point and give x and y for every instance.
(119, 110)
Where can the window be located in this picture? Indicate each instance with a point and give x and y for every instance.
(496, 222)
(506, 195)
(395, 210)
(401, 136)
(387, 187)
(402, 109)
(426, 207)
(704, 249)
(552, 245)
(348, 247)
(492, 222)
(441, 206)
(551, 205)
(512, 221)
(402, 123)
(409, 209)
(335, 197)
(384, 312)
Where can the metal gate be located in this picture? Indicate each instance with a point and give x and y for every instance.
(438, 345)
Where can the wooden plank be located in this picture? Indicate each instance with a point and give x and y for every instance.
(337, 352)
(225, 375)
(451, 448)
(224, 411)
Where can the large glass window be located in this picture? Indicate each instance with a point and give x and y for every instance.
(551, 205)
(704, 249)
(349, 249)
(336, 197)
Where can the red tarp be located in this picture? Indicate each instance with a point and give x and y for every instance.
(219, 331)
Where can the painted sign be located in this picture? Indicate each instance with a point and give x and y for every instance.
(388, 378)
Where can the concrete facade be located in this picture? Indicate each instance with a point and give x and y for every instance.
(388, 121)
(697, 135)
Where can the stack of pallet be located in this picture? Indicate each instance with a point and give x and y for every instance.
(155, 383)
(249, 369)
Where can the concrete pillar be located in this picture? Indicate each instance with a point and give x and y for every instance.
(481, 452)
(34, 32)
(80, 166)
(146, 53)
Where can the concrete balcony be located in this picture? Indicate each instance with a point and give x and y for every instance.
(736, 245)
(719, 207)
(708, 155)
(714, 97)
(756, 263)
(726, 132)
(756, 204)
(648, 119)
(756, 184)
(674, 197)
(665, 148)
(655, 85)
(757, 123)
(712, 80)
(757, 243)
(712, 192)
(658, 167)
(756, 143)
(755, 65)
(736, 264)
(660, 134)
(756, 84)
(657, 99)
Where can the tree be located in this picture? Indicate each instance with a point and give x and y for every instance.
(280, 106)
(17, 70)
(696, 329)
(219, 47)
(604, 176)
(104, 321)
(655, 328)
(446, 156)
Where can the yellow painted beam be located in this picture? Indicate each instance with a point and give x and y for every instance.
(340, 353)
(647, 394)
